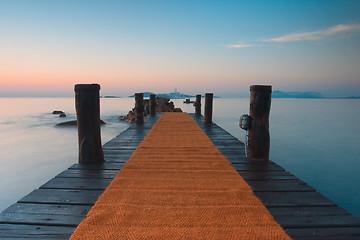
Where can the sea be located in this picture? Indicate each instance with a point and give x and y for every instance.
(318, 140)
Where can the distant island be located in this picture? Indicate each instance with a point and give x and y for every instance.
(172, 95)
(280, 94)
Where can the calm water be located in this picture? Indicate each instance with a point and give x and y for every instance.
(316, 139)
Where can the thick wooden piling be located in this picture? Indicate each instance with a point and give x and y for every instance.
(208, 108)
(259, 136)
(139, 107)
(87, 103)
(198, 105)
(152, 104)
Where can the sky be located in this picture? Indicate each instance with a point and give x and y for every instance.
(195, 46)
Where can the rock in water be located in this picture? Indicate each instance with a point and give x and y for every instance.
(57, 112)
(73, 123)
(162, 105)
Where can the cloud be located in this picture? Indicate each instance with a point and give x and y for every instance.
(316, 35)
(240, 45)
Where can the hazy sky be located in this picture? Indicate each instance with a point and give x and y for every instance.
(47, 46)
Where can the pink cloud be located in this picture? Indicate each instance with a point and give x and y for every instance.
(315, 35)
(239, 45)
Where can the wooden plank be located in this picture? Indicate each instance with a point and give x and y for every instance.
(324, 233)
(62, 196)
(307, 211)
(257, 167)
(80, 210)
(293, 199)
(280, 186)
(40, 219)
(122, 146)
(83, 173)
(274, 175)
(18, 231)
(119, 153)
(318, 221)
(103, 166)
(77, 183)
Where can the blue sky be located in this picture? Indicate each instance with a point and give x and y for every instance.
(195, 46)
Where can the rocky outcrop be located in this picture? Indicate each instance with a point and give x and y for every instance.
(73, 123)
(57, 112)
(61, 113)
(162, 105)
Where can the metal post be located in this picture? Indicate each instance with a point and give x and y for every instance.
(139, 107)
(198, 105)
(208, 108)
(259, 136)
(87, 104)
(152, 105)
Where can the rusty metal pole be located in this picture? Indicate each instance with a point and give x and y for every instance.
(152, 105)
(208, 108)
(139, 107)
(198, 105)
(259, 135)
(87, 104)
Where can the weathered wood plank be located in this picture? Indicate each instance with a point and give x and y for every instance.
(307, 211)
(77, 183)
(318, 221)
(292, 199)
(103, 166)
(324, 233)
(40, 219)
(62, 196)
(280, 186)
(18, 231)
(80, 210)
(82, 173)
(274, 175)
(257, 167)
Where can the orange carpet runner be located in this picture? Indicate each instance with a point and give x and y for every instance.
(177, 185)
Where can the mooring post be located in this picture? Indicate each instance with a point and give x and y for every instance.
(87, 104)
(208, 108)
(139, 107)
(198, 105)
(152, 104)
(259, 136)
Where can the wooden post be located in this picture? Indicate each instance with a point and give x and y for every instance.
(139, 107)
(198, 105)
(208, 108)
(259, 136)
(87, 104)
(152, 105)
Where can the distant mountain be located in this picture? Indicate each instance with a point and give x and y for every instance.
(172, 95)
(280, 94)
(109, 96)
(146, 94)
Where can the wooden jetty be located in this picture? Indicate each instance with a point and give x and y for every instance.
(55, 209)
